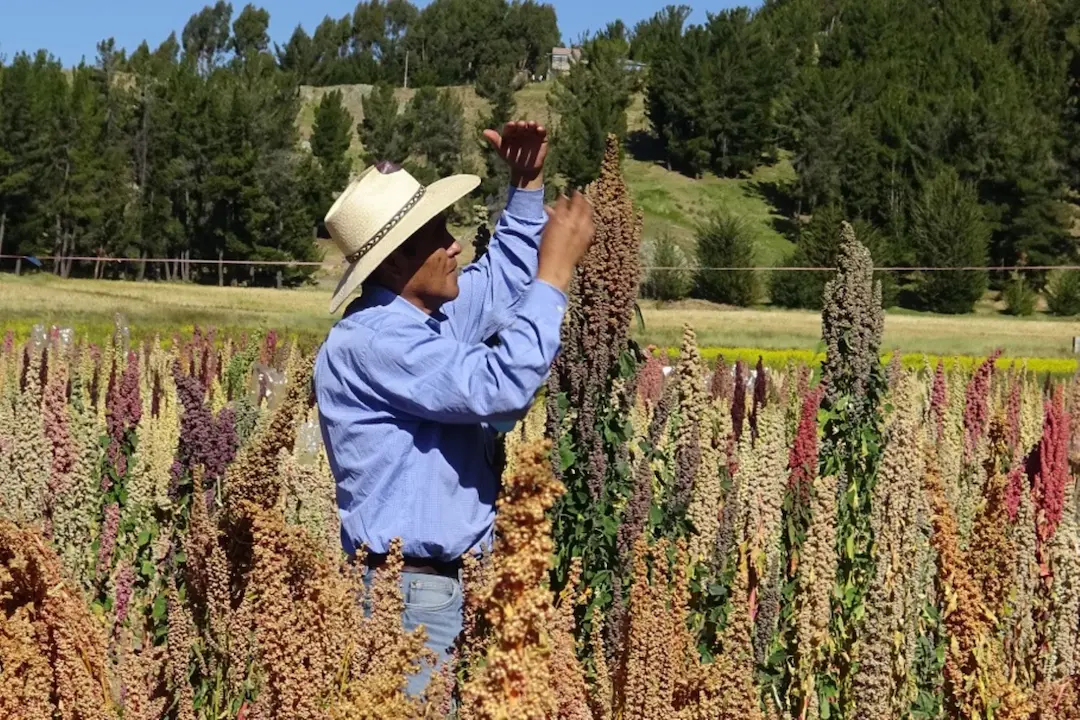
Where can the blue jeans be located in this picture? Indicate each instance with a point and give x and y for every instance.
(435, 602)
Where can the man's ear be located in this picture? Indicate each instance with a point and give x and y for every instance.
(399, 266)
(392, 265)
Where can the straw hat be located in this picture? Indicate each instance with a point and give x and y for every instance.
(378, 211)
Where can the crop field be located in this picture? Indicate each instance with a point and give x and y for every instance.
(836, 531)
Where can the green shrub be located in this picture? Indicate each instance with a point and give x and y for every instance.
(724, 241)
(1020, 298)
(1063, 293)
(661, 283)
(949, 230)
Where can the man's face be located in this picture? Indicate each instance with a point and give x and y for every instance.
(429, 266)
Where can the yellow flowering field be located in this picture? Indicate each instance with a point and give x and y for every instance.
(911, 361)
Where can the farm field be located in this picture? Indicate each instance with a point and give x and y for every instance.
(89, 306)
(715, 541)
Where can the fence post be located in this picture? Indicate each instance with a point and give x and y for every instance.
(279, 279)
(220, 268)
(18, 266)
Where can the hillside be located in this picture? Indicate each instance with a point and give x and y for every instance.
(671, 202)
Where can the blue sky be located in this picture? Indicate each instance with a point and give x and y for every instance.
(71, 29)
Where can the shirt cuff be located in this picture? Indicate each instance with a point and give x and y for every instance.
(549, 294)
(545, 307)
(526, 204)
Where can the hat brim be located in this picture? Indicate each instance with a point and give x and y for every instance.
(438, 196)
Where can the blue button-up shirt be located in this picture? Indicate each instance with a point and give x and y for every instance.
(407, 400)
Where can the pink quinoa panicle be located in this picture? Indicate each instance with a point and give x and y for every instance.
(205, 441)
(109, 528)
(977, 406)
(650, 380)
(803, 457)
(939, 398)
(1016, 485)
(738, 400)
(123, 413)
(1012, 411)
(1052, 470)
(720, 382)
(761, 388)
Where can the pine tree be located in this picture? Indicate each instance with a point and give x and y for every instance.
(250, 31)
(653, 38)
(330, 49)
(1070, 24)
(206, 35)
(331, 136)
(154, 148)
(298, 55)
(949, 230)
(380, 130)
(724, 241)
(710, 92)
(19, 155)
(591, 102)
(496, 86)
(434, 126)
(669, 277)
(117, 232)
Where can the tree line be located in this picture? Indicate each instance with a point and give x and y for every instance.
(190, 150)
(948, 130)
(449, 42)
(177, 152)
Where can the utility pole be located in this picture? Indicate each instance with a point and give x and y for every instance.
(406, 69)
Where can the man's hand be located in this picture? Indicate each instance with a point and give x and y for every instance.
(524, 147)
(567, 237)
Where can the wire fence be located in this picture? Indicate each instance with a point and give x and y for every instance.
(748, 268)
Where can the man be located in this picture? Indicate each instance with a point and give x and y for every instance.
(408, 391)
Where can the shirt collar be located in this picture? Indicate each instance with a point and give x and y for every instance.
(376, 296)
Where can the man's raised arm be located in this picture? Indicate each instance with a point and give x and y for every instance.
(447, 380)
(493, 288)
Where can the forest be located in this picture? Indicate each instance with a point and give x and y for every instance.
(946, 131)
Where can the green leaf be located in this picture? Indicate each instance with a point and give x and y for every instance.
(144, 538)
(567, 458)
(147, 570)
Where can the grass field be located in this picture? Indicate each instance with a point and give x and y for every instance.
(89, 306)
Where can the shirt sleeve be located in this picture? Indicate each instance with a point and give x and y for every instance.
(442, 379)
(492, 288)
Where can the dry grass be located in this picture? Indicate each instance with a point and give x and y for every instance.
(675, 204)
(89, 306)
(907, 331)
